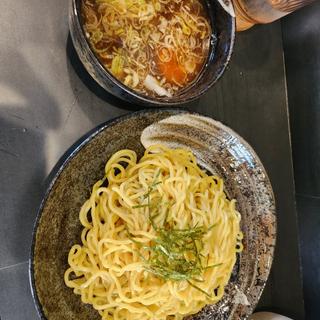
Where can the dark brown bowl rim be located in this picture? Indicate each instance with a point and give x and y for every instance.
(148, 101)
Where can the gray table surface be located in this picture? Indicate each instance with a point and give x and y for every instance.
(302, 55)
(47, 102)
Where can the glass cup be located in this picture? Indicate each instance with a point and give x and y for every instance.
(251, 12)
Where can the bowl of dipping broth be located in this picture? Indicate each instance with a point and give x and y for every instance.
(153, 52)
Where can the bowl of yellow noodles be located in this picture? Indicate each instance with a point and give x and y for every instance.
(153, 52)
(155, 215)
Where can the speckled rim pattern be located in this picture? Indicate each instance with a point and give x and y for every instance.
(248, 183)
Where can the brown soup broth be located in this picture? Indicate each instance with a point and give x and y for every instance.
(156, 47)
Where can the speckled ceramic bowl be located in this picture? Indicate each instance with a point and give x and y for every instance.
(57, 227)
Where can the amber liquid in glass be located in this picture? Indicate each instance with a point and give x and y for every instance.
(250, 12)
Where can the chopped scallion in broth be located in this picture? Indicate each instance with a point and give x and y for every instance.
(156, 47)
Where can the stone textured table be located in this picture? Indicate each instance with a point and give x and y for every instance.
(47, 102)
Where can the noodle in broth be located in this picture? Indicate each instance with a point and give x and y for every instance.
(156, 47)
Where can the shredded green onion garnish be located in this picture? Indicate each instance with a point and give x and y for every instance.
(175, 254)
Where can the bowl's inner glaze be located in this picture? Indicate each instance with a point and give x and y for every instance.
(58, 226)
